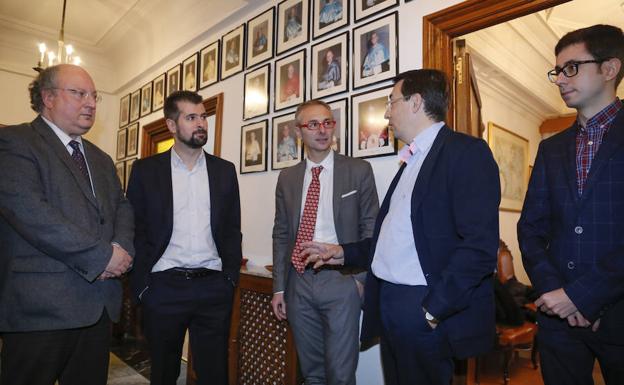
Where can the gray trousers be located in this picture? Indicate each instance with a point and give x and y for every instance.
(323, 310)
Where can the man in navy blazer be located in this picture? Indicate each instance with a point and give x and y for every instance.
(429, 295)
(188, 246)
(571, 230)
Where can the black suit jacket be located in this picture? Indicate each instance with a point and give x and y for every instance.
(151, 193)
(454, 213)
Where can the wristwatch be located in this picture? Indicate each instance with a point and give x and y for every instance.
(429, 317)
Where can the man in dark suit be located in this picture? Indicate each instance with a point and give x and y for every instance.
(571, 230)
(322, 307)
(188, 246)
(431, 259)
(66, 233)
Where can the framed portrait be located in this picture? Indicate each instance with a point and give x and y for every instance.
(260, 38)
(128, 167)
(190, 73)
(293, 27)
(370, 135)
(121, 143)
(173, 80)
(124, 110)
(340, 113)
(120, 169)
(290, 81)
(135, 105)
(256, 93)
(133, 140)
(328, 16)
(286, 145)
(511, 152)
(330, 66)
(233, 53)
(375, 51)
(158, 97)
(146, 99)
(366, 8)
(253, 147)
(209, 65)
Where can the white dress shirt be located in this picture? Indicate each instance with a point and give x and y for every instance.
(396, 259)
(325, 229)
(191, 244)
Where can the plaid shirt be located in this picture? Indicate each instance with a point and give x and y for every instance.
(589, 138)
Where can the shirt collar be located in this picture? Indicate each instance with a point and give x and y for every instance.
(421, 143)
(177, 162)
(327, 163)
(603, 118)
(65, 139)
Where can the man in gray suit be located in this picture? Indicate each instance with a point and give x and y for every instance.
(66, 233)
(327, 197)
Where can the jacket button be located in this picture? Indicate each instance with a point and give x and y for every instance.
(571, 265)
(578, 229)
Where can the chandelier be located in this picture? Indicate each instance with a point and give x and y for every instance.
(64, 54)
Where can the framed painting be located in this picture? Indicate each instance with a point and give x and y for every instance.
(340, 113)
(328, 16)
(256, 93)
(253, 147)
(190, 73)
(132, 147)
(375, 51)
(124, 110)
(511, 152)
(158, 99)
(209, 65)
(135, 105)
(260, 37)
(293, 27)
(330, 66)
(128, 171)
(146, 99)
(120, 169)
(370, 135)
(286, 145)
(367, 8)
(121, 143)
(290, 81)
(173, 80)
(233, 55)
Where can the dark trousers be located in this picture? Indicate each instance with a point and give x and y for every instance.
(411, 351)
(73, 356)
(567, 357)
(202, 305)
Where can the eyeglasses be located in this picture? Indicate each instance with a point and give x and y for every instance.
(81, 95)
(315, 125)
(391, 101)
(570, 69)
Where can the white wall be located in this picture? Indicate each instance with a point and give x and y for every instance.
(14, 99)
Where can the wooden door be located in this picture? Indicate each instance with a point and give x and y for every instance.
(467, 101)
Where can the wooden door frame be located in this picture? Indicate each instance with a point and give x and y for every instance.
(440, 28)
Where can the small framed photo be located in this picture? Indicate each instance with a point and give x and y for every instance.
(124, 110)
(121, 143)
(253, 147)
(260, 37)
(158, 100)
(133, 139)
(173, 80)
(290, 80)
(366, 8)
(135, 105)
(330, 66)
(190, 73)
(128, 165)
(256, 93)
(146, 99)
(120, 169)
(286, 148)
(370, 135)
(375, 51)
(233, 54)
(328, 16)
(340, 113)
(209, 68)
(293, 27)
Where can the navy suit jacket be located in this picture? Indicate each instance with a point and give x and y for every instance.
(454, 212)
(577, 243)
(151, 193)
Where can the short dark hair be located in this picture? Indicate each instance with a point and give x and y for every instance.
(46, 80)
(171, 109)
(311, 102)
(432, 85)
(601, 41)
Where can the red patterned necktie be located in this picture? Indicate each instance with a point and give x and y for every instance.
(308, 219)
(80, 160)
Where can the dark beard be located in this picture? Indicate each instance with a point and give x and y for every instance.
(193, 141)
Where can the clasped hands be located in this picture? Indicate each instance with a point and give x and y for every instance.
(119, 263)
(558, 303)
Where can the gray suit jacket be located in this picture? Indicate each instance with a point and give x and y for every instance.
(355, 205)
(55, 235)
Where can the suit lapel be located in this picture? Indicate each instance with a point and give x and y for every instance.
(570, 162)
(427, 168)
(213, 179)
(297, 184)
(338, 187)
(165, 184)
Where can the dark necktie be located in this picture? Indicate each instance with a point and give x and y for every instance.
(308, 219)
(80, 160)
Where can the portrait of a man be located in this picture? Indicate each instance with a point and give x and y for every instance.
(232, 57)
(329, 73)
(375, 45)
(293, 28)
(260, 42)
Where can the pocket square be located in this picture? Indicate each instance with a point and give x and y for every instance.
(347, 194)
